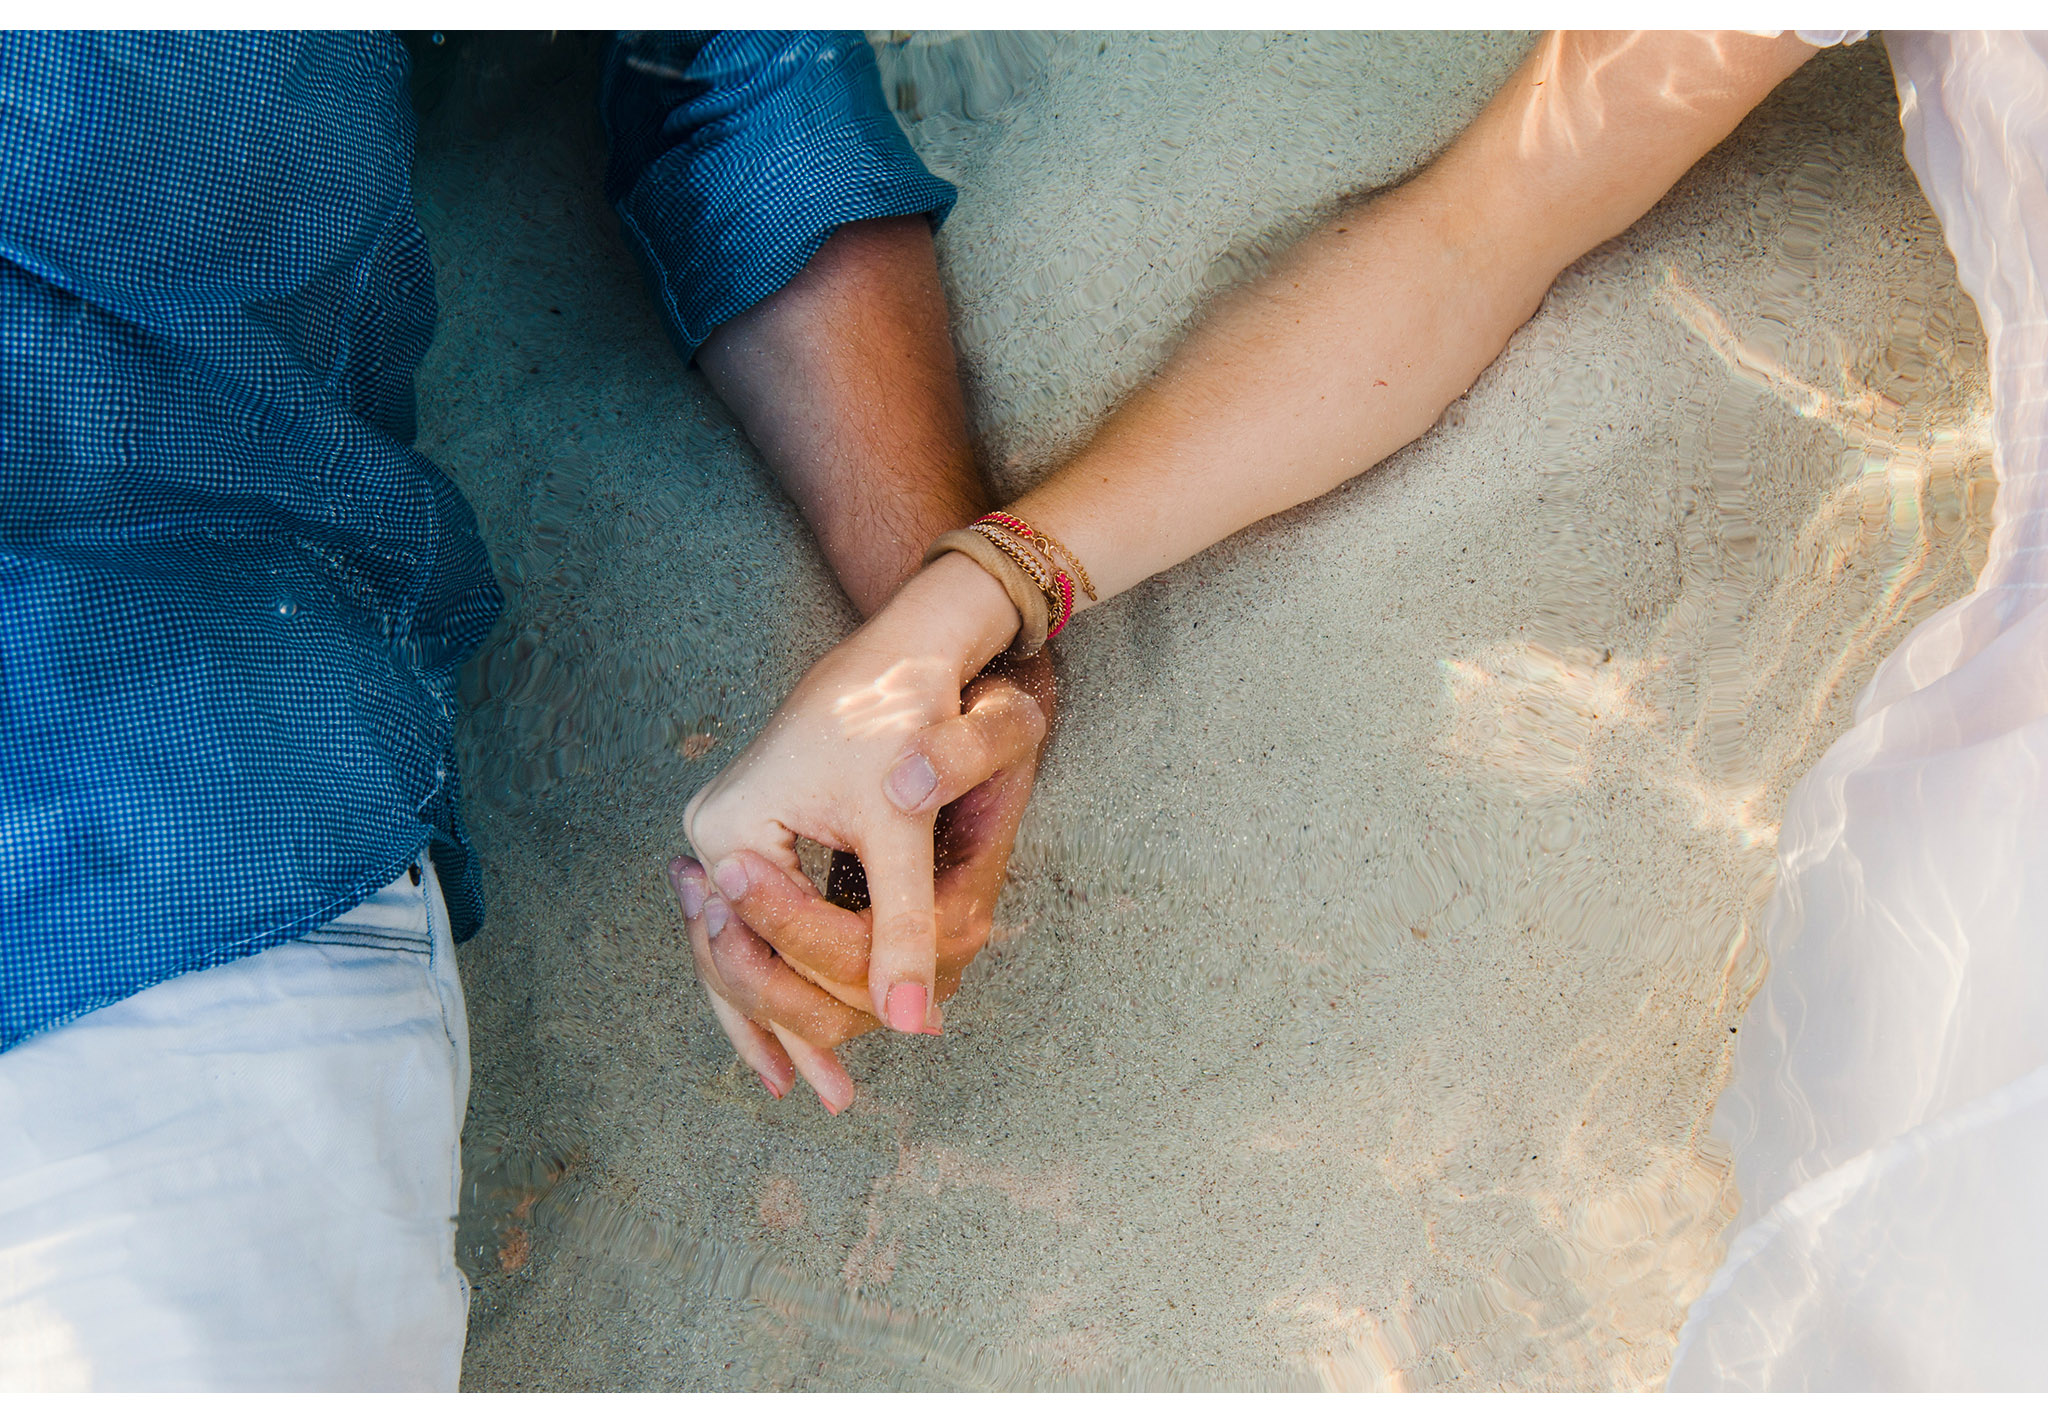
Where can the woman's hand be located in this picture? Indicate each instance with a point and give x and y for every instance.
(860, 757)
(757, 923)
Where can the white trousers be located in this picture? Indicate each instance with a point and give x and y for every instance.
(246, 1178)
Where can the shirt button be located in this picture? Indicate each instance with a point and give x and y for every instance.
(413, 871)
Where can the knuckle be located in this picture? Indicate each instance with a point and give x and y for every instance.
(905, 928)
(710, 823)
(694, 821)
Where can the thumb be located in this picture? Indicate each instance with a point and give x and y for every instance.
(950, 758)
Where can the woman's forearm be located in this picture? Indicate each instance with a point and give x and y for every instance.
(1357, 340)
(1349, 348)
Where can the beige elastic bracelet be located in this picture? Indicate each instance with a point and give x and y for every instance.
(1028, 596)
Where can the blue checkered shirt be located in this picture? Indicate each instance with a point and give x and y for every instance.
(233, 596)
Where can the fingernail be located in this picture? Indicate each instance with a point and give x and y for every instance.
(769, 1083)
(689, 882)
(906, 1007)
(716, 917)
(731, 877)
(835, 1108)
(911, 781)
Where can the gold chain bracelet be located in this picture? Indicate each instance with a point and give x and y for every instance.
(1045, 544)
(1058, 590)
(1024, 561)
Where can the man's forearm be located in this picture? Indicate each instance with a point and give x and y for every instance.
(845, 381)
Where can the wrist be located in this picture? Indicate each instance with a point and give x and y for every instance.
(874, 557)
(958, 612)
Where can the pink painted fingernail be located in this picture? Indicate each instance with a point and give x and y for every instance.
(911, 781)
(835, 1108)
(769, 1083)
(906, 1007)
(716, 916)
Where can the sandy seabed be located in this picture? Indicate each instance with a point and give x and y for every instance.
(1376, 939)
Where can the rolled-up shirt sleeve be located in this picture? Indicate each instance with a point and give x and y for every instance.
(734, 154)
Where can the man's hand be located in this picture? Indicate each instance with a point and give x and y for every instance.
(787, 969)
(845, 381)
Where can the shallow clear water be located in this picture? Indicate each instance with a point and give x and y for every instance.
(1375, 942)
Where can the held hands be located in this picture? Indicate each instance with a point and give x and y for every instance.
(881, 753)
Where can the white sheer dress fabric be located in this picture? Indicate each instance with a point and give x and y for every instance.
(1889, 1101)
